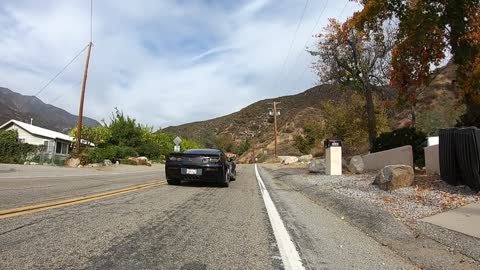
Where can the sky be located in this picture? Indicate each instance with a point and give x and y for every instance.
(162, 62)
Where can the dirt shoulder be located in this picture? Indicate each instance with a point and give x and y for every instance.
(391, 218)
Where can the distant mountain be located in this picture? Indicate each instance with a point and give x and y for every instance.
(19, 107)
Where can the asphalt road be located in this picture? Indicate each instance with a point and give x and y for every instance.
(193, 226)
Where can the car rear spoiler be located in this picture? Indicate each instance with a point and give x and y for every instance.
(191, 155)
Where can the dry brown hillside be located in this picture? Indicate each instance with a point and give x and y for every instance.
(252, 122)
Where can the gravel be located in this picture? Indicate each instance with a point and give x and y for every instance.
(428, 196)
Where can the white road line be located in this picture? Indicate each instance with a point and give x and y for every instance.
(75, 175)
(290, 257)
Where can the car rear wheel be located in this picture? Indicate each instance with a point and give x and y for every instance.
(174, 182)
(226, 179)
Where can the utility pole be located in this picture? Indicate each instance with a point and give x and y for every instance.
(82, 98)
(275, 113)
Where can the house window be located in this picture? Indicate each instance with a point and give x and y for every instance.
(62, 148)
(59, 148)
(48, 146)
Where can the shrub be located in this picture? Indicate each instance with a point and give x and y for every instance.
(150, 149)
(8, 135)
(15, 152)
(402, 137)
(112, 152)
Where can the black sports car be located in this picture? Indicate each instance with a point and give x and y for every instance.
(207, 165)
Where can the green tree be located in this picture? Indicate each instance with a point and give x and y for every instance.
(125, 130)
(97, 135)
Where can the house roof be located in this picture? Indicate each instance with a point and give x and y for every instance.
(39, 131)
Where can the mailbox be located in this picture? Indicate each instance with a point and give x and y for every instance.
(333, 156)
(332, 142)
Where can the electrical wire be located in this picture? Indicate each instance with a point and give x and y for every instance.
(306, 68)
(291, 44)
(54, 77)
(62, 94)
(309, 37)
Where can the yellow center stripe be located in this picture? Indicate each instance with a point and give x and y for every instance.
(76, 200)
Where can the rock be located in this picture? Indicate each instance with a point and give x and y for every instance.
(107, 162)
(289, 160)
(33, 163)
(95, 165)
(80, 166)
(356, 165)
(394, 176)
(305, 158)
(117, 163)
(26, 163)
(149, 163)
(140, 160)
(316, 166)
(72, 162)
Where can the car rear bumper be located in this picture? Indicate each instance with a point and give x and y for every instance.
(204, 174)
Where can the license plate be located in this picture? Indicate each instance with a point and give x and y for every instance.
(191, 171)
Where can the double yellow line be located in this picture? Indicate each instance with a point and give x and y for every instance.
(76, 200)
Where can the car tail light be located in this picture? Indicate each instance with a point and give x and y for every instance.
(175, 158)
(212, 169)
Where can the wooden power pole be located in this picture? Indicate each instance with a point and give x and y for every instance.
(275, 131)
(82, 98)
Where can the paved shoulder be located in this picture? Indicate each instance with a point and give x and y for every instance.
(324, 240)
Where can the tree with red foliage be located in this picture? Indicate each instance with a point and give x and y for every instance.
(355, 59)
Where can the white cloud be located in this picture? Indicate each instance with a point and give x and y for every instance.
(161, 62)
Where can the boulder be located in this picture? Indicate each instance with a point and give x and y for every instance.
(305, 158)
(26, 163)
(140, 160)
(289, 160)
(73, 162)
(394, 176)
(316, 166)
(356, 165)
(107, 162)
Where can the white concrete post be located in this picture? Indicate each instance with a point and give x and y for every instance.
(334, 160)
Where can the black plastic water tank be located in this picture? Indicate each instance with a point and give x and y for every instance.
(468, 156)
(449, 170)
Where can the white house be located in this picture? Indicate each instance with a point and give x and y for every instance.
(55, 142)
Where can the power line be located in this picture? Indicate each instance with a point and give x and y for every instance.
(54, 77)
(338, 18)
(293, 41)
(310, 36)
(62, 94)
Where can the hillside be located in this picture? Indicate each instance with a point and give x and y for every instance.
(438, 101)
(44, 115)
(253, 122)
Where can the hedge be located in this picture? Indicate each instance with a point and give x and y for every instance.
(15, 152)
